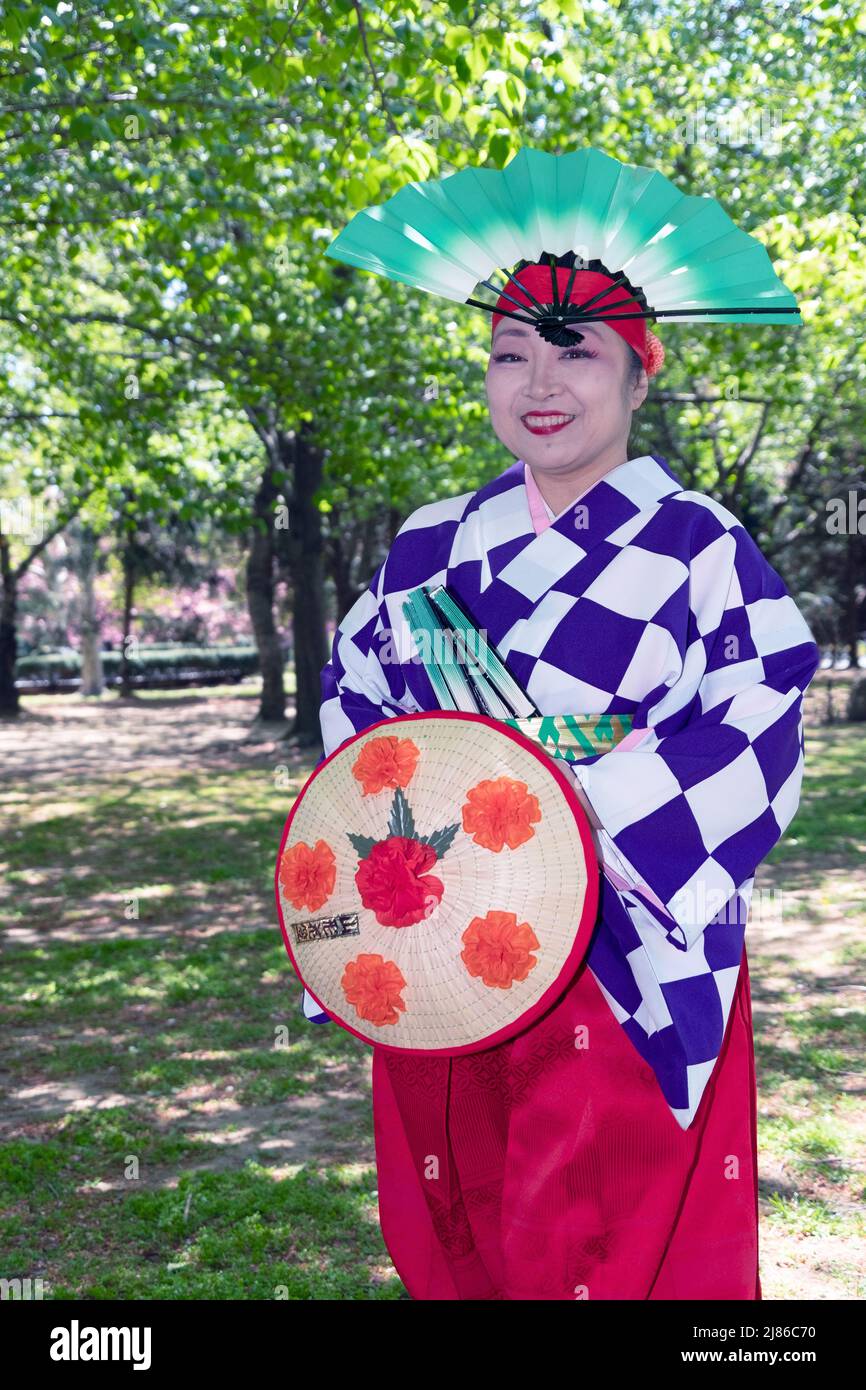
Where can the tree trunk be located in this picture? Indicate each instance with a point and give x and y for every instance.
(367, 560)
(9, 703)
(260, 594)
(9, 577)
(851, 616)
(340, 564)
(128, 596)
(307, 563)
(395, 521)
(91, 659)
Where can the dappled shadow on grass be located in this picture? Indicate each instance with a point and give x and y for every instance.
(814, 1064)
(831, 820)
(181, 1075)
(195, 829)
(249, 1101)
(153, 1036)
(155, 858)
(241, 969)
(207, 841)
(809, 1026)
(240, 1233)
(147, 700)
(197, 1028)
(132, 1035)
(807, 1005)
(206, 910)
(71, 740)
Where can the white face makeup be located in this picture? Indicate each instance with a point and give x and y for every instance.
(566, 411)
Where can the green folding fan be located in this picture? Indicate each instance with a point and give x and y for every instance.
(679, 256)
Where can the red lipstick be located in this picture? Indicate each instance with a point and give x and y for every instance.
(558, 420)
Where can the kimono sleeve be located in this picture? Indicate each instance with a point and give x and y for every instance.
(363, 681)
(361, 684)
(689, 810)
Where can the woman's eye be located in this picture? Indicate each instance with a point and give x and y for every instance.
(570, 352)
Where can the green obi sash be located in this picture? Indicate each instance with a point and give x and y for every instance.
(468, 674)
(574, 736)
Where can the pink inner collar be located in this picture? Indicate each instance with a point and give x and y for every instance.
(541, 513)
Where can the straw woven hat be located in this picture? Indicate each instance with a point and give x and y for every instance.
(436, 883)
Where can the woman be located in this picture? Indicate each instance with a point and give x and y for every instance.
(609, 1150)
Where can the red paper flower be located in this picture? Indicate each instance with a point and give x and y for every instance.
(500, 812)
(385, 762)
(394, 882)
(498, 949)
(308, 875)
(372, 986)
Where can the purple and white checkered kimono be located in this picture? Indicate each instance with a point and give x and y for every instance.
(640, 598)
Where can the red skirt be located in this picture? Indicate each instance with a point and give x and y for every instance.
(551, 1167)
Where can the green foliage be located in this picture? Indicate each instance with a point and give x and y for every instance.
(172, 284)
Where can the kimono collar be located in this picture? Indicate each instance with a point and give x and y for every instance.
(502, 521)
(502, 565)
(539, 509)
(541, 512)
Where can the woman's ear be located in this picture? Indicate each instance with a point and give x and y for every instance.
(639, 390)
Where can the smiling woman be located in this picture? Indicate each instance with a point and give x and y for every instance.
(567, 411)
(609, 1150)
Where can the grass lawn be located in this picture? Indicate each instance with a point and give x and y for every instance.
(174, 1129)
(806, 960)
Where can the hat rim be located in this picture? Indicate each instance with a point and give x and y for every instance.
(583, 930)
(653, 353)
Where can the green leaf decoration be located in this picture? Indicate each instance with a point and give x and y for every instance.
(401, 821)
(441, 840)
(362, 843)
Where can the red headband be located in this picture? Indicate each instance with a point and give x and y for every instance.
(587, 283)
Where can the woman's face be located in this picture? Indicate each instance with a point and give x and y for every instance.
(529, 379)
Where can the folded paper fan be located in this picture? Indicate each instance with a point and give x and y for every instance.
(680, 256)
(436, 883)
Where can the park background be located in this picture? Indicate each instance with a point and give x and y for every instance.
(211, 433)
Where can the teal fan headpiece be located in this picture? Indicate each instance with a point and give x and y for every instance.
(679, 256)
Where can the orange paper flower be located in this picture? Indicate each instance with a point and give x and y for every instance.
(372, 985)
(386, 762)
(308, 875)
(500, 812)
(498, 950)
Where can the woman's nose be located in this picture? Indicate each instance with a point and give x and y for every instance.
(545, 374)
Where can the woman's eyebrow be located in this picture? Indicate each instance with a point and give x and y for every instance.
(527, 333)
(584, 328)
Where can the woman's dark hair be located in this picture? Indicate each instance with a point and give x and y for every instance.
(635, 366)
